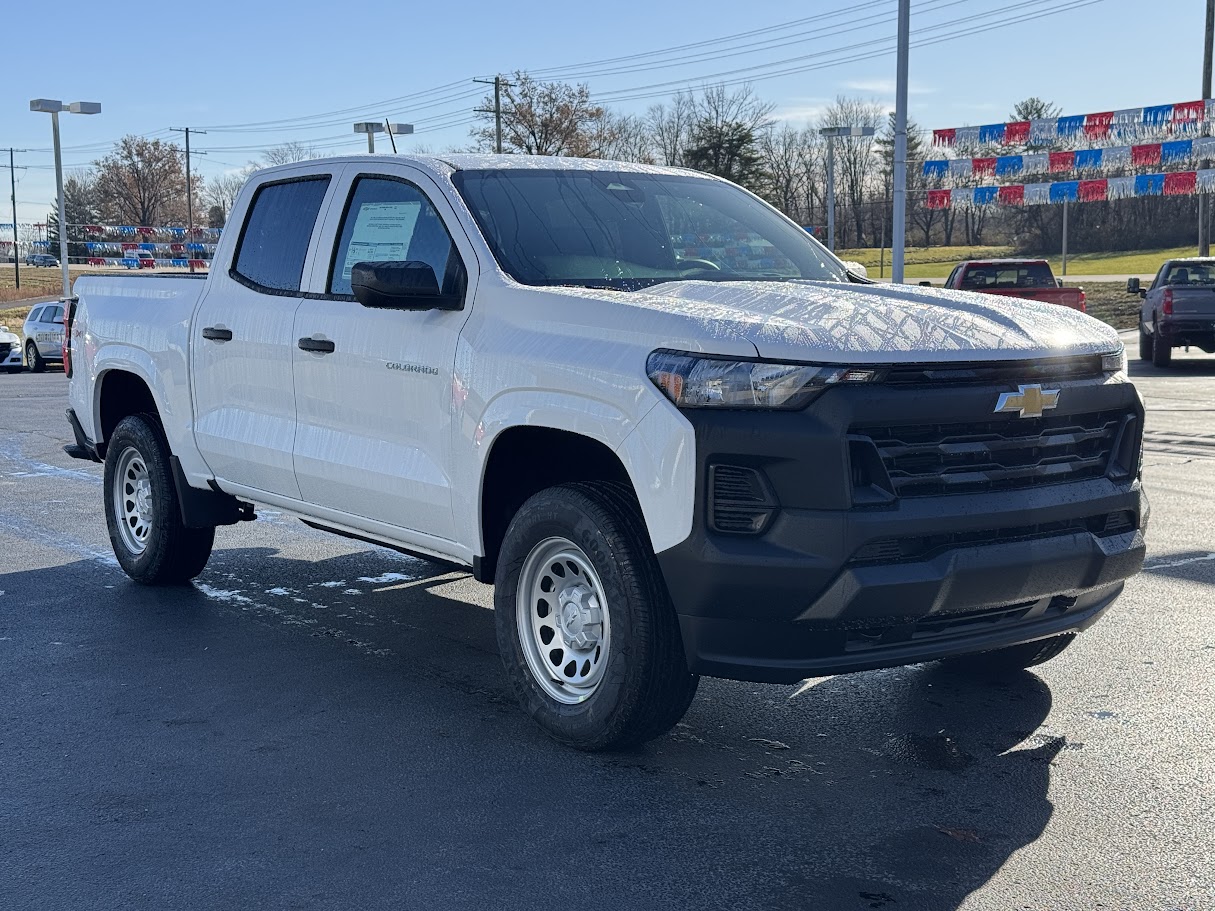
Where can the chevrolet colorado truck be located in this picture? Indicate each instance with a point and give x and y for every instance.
(668, 426)
(1028, 279)
(1178, 309)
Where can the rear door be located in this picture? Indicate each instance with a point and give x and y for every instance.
(243, 342)
(375, 410)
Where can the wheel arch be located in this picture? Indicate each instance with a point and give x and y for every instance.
(522, 461)
(120, 392)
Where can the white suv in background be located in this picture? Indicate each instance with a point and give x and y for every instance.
(43, 332)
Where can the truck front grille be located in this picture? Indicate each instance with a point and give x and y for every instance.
(1011, 454)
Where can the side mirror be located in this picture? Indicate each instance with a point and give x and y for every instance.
(1058, 283)
(1143, 292)
(1132, 285)
(925, 284)
(400, 285)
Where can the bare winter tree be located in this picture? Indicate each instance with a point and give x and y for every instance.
(219, 192)
(546, 118)
(625, 137)
(142, 182)
(718, 107)
(287, 153)
(855, 161)
(670, 127)
(788, 162)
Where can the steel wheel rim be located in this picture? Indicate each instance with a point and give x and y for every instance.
(563, 620)
(133, 500)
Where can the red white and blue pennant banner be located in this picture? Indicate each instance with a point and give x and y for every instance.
(1163, 118)
(1175, 183)
(1148, 154)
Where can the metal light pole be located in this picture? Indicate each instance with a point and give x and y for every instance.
(898, 229)
(52, 107)
(831, 133)
(371, 127)
(1204, 232)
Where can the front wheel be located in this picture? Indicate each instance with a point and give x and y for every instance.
(587, 633)
(142, 512)
(33, 359)
(1009, 660)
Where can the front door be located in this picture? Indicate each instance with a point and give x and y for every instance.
(243, 342)
(375, 405)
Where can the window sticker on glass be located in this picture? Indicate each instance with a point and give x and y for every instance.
(381, 233)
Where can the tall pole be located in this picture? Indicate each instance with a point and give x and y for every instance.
(498, 112)
(1204, 228)
(831, 193)
(1064, 270)
(898, 229)
(371, 142)
(63, 246)
(12, 176)
(189, 186)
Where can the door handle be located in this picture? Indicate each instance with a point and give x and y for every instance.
(318, 345)
(215, 334)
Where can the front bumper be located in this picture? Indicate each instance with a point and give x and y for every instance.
(835, 583)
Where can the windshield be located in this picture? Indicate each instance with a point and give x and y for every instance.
(623, 230)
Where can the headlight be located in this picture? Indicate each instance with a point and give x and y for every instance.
(1114, 362)
(696, 381)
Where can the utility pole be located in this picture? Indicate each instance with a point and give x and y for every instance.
(1204, 227)
(898, 229)
(498, 83)
(1064, 270)
(12, 176)
(189, 190)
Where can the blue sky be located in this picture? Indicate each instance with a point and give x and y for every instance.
(227, 64)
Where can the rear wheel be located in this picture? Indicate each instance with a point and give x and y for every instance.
(1011, 659)
(142, 511)
(1145, 345)
(33, 359)
(1162, 351)
(588, 636)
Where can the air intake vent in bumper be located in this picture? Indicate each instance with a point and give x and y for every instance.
(741, 501)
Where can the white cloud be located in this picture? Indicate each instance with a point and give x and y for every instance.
(885, 87)
(802, 109)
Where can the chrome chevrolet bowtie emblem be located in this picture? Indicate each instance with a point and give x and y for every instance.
(1028, 401)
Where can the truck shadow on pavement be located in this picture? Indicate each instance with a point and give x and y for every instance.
(265, 726)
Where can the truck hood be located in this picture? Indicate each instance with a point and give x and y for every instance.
(867, 324)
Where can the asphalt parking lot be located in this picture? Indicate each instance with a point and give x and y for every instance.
(321, 724)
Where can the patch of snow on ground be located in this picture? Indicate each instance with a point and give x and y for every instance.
(220, 594)
(386, 577)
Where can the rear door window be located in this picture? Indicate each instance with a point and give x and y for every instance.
(274, 241)
(54, 314)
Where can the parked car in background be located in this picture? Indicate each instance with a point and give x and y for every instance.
(1178, 309)
(42, 259)
(1030, 279)
(10, 351)
(43, 332)
(139, 259)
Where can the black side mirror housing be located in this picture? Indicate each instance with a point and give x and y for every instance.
(1132, 285)
(400, 285)
(925, 284)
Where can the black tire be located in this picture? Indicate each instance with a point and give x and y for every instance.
(646, 686)
(33, 359)
(172, 553)
(1145, 345)
(1009, 660)
(1162, 351)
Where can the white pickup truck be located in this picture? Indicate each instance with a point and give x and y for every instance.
(668, 426)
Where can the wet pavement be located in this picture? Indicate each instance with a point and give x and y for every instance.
(321, 724)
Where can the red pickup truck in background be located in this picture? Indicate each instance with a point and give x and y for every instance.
(1026, 278)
